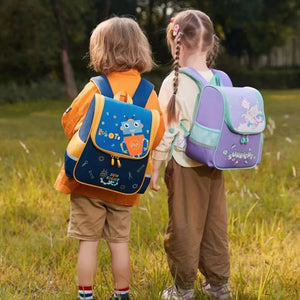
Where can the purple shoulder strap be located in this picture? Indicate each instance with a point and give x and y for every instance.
(225, 80)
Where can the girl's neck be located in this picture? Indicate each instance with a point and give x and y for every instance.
(195, 60)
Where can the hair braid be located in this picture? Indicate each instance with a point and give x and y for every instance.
(213, 52)
(172, 103)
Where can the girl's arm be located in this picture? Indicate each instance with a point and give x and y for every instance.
(162, 152)
(153, 103)
(155, 175)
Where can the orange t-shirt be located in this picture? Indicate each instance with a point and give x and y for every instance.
(73, 118)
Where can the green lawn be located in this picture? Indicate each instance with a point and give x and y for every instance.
(38, 261)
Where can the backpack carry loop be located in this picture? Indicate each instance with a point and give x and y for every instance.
(140, 96)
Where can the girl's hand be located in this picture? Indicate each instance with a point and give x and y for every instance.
(153, 182)
(155, 175)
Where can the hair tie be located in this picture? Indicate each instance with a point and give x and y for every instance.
(175, 29)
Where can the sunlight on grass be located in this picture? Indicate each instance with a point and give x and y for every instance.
(38, 261)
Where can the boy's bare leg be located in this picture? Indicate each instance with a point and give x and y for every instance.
(120, 262)
(87, 262)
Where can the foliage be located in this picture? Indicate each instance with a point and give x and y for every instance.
(31, 42)
(32, 49)
(255, 27)
(12, 92)
(38, 260)
(28, 47)
(267, 79)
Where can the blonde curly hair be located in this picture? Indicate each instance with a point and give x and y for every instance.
(118, 44)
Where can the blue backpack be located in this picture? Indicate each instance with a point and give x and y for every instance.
(111, 149)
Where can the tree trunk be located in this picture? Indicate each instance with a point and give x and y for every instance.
(71, 89)
(149, 26)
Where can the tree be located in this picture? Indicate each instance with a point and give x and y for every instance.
(253, 28)
(28, 47)
(71, 89)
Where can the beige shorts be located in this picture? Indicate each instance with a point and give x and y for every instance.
(92, 219)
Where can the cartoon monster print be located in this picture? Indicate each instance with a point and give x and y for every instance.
(133, 137)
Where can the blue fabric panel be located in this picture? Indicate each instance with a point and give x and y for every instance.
(69, 165)
(87, 122)
(124, 128)
(142, 93)
(145, 185)
(94, 167)
(103, 85)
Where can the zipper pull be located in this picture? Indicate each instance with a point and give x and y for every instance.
(112, 161)
(118, 162)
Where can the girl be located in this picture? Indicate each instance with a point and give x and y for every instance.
(120, 50)
(197, 231)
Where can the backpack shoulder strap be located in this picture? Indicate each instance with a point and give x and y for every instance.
(140, 96)
(142, 93)
(193, 74)
(220, 78)
(103, 85)
(223, 77)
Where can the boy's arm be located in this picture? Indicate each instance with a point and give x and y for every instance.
(74, 115)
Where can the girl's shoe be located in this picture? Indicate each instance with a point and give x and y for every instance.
(174, 293)
(218, 292)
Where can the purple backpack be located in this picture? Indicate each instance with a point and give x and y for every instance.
(228, 123)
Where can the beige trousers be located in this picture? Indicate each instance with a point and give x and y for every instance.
(197, 237)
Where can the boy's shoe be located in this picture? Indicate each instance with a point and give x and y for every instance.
(175, 293)
(112, 297)
(218, 292)
(94, 298)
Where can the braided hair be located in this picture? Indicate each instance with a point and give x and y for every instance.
(195, 29)
(172, 103)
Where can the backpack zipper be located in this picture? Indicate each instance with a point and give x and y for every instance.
(112, 161)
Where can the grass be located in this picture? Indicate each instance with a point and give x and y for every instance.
(38, 261)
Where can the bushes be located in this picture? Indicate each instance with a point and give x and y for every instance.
(262, 79)
(53, 89)
(13, 92)
(267, 79)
